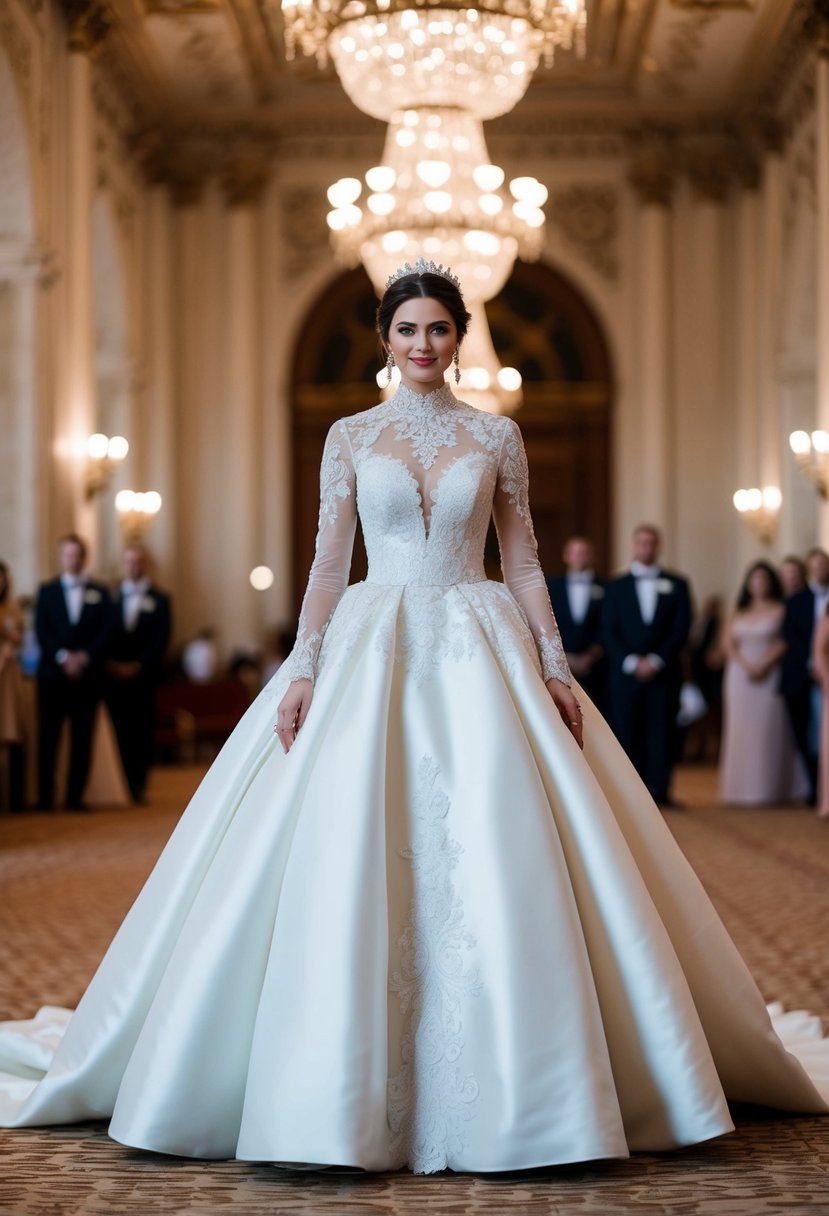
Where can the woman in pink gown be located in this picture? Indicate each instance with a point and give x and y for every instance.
(760, 762)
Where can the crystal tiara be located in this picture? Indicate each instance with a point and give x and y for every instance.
(421, 266)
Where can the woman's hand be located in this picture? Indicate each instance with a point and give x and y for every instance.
(568, 707)
(292, 712)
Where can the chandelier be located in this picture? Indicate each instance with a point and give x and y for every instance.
(435, 73)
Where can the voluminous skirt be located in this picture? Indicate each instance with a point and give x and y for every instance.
(434, 934)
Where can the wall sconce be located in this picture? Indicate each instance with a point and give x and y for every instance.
(103, 456)
(812, 455)
(136, 512)
(759, 509)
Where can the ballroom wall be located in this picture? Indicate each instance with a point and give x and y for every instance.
(168, 309)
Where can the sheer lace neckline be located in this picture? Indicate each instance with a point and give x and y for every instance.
(407, 401)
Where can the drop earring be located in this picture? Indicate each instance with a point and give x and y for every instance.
(455, 360)
(389, 366)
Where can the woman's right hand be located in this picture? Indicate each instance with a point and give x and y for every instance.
(292, 712)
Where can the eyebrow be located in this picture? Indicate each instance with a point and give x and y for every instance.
(437, 321)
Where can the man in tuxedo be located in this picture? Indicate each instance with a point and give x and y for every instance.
(802, 694)
(647, 618)
(576, 598)
(139, 636)
(72, 620)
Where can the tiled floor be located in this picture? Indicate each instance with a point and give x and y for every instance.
(66, 880)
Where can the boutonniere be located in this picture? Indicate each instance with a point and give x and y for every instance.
(148, 604)
(92, 596)
(664, 586)
(596, 592)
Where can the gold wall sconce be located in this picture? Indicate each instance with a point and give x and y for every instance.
(103, 456)
(811, 451)
(760, 509)
(136, 512)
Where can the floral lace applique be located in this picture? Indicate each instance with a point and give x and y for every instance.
(516, 474)
(431, 1099)
(334, 477)
(554, 663)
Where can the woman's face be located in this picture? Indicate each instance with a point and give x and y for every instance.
(759, 584)
(422, 338)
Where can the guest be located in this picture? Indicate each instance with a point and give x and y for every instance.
(11, 724)
(760, 760)
(792, 574)
(200, 658)
(139, 637)
(647, 616)
(820, 667)
(576, 598)
(801, 692)
(72, 621)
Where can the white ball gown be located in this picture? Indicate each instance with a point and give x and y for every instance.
(434, 934)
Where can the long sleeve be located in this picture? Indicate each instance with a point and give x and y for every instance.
(519, 554)
(328, 578)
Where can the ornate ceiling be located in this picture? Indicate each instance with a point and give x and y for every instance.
(195, 72)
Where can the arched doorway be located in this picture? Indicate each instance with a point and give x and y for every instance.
(540, 324)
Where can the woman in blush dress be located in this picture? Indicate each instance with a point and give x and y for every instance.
(760, 763)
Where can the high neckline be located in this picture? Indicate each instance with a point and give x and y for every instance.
(407, 400)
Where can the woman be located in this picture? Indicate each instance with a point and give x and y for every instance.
(820, 667)
(760, 763)
(416, 934)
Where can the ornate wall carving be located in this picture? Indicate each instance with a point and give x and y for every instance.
(587, 218)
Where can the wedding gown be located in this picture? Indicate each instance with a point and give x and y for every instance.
(434, 934)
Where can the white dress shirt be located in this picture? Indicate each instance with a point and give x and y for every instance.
(132, 597)
(73, 591)
(579, 591)
(646, 579)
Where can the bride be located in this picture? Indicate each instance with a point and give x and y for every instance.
(418, 926)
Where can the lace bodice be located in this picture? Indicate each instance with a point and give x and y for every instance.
(425, 474)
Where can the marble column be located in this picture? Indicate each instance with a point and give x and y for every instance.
(77, 416)
(747, 464)
(242, 524)
(652, 179)
(822, 238)
(772, 443)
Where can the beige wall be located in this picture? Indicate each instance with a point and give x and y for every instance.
(176, 319)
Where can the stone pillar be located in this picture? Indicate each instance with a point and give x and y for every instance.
(242, 525)
(87, 27)
(746, 355)
(772, 443)
(652, 179)
(822, 233)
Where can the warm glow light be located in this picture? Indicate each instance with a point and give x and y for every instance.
(509, 379)
(97, 446)
(488, 177)
(117, 448)
(434, 173)
(344, 191)
(380, 204)
(800, 443)
(820, 441)
(438, 201)
(772, 498)
(528, 190)
(152, 502)
(485, 243)
(478, 377)
(125, 501)
(491, 204)
(261, 578)
(381, 178)
(394, 241)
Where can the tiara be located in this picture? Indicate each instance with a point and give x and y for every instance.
(421, 266)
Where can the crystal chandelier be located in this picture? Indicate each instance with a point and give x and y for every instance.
(436, 194)
(435, 73)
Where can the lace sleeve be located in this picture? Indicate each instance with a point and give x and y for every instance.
(332, 560)
(519, 554)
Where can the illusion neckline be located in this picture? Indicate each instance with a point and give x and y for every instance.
(409, 401)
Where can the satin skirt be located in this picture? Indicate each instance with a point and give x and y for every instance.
(435, 934)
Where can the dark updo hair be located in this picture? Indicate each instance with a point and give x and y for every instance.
(422, 287)
(775, 586)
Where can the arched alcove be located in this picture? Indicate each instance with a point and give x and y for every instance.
(18, 356)
(540, 324)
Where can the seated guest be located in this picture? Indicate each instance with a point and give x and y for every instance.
(139, 637)
(200, 658)
(576, 597)
(72, 621)
(760, 760)
(11, 726)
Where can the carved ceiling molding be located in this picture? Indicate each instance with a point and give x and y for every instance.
(587, 218)
(88, 24)
(303, 228)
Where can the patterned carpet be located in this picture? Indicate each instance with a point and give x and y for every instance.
(66, 881)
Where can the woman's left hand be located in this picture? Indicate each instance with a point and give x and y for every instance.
(569, 708)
